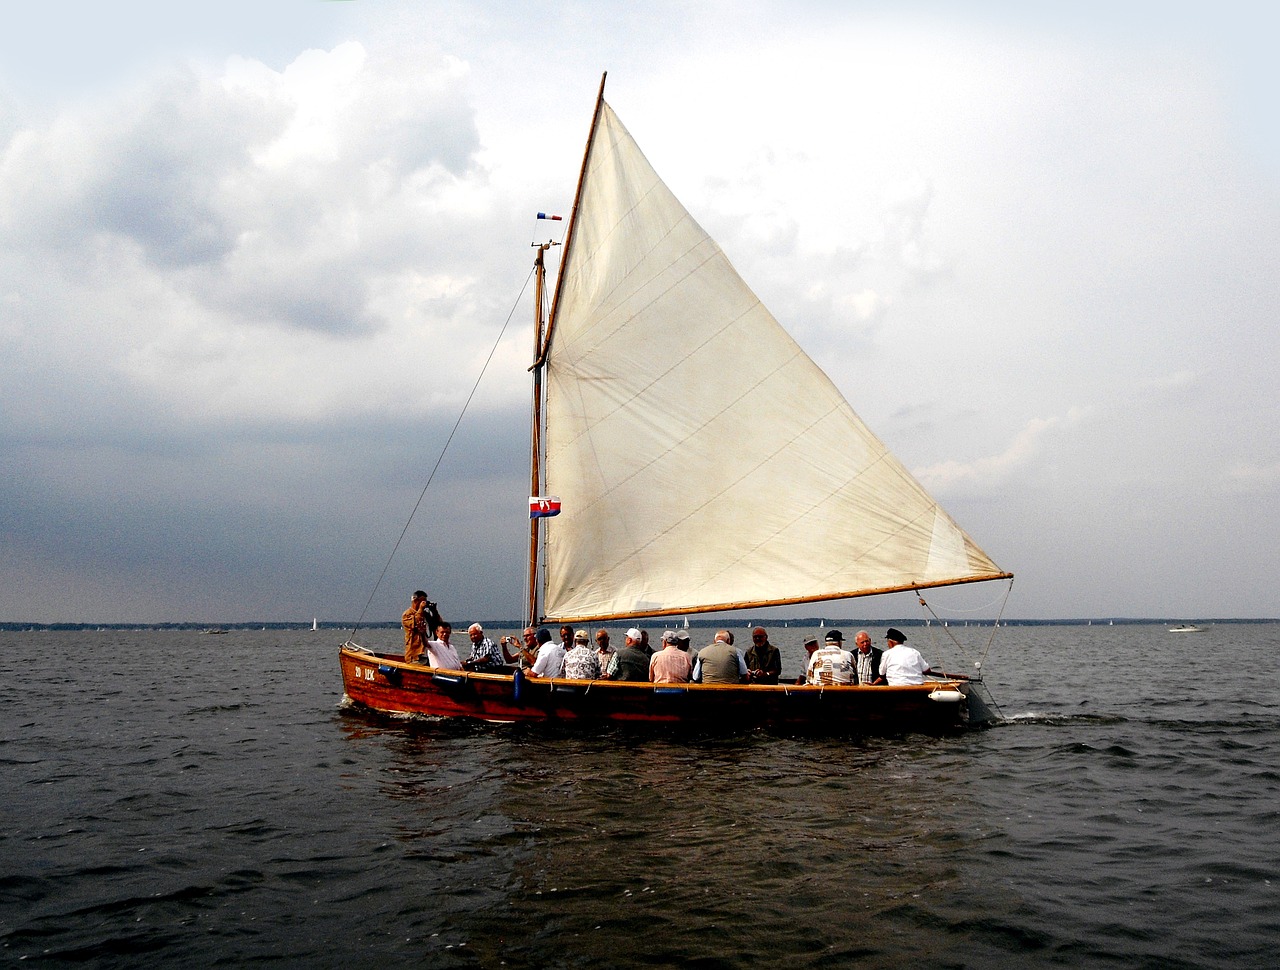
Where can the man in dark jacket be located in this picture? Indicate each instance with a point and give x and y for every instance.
(866, 660)
(631, 662)
(764, 663)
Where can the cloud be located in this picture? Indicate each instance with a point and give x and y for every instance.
(985, 473)
(243, 296)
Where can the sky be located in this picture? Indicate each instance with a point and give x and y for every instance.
(256, 258)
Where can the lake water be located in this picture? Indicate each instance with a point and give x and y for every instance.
(172, 799)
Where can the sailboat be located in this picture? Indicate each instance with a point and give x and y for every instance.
(702, 462)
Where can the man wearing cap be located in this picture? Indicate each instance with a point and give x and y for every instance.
(764, 662)
(833, 664)
(581, 663)
(720, 663)
(866, 660)
(682, 641)
(630, 663)
(670, 665)
(810, 647)
(900, 664)
(550, 662)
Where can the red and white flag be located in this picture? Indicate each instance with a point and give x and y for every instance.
(542, 506)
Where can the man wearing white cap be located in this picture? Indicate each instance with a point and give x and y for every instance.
(630, 663)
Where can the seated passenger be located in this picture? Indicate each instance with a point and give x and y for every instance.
(901, 665)
(604, 653)
(485, 655)
(440, 652)
(810, 645)
(581, 662)
(670, 665)
(631, 662)
(526, 652)
(550, 662)
(866, 659)
(832, 664)
(720, 663)
(764, 662)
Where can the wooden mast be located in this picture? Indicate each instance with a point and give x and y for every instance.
(535, 437)
(542, 344)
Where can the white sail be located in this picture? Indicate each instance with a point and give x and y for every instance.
(703, 460)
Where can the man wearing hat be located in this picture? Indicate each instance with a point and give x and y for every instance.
(764, 663)
(581, 663)
(810, 647)
(550, 662)
(901, 664)
(833, 664)
(670, 665)
(630, 663)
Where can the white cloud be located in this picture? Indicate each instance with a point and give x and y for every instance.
(969, 220)
(992, 470)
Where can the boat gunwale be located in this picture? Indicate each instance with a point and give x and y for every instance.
(942, 681)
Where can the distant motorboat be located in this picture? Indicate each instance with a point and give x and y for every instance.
(214, 630)
(1187, 628)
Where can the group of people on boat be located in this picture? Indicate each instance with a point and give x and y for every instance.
(427, 641)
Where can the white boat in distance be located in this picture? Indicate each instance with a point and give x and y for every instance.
(1187, 628)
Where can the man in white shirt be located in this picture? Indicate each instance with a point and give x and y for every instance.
(900, 664)
(550, 662)
(440, 652)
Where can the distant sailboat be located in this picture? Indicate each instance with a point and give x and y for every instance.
(315, 623)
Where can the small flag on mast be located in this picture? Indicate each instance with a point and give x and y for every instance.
(543, 506)
(543, 215)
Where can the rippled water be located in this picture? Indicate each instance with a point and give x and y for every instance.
(172, 799)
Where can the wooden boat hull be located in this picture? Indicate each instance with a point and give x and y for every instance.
(387, 684)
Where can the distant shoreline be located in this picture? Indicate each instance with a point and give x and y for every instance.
(801, 623)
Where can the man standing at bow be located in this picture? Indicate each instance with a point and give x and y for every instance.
(419, 621)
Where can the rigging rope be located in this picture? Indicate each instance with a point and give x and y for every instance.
(959, 646)
(434, 468)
